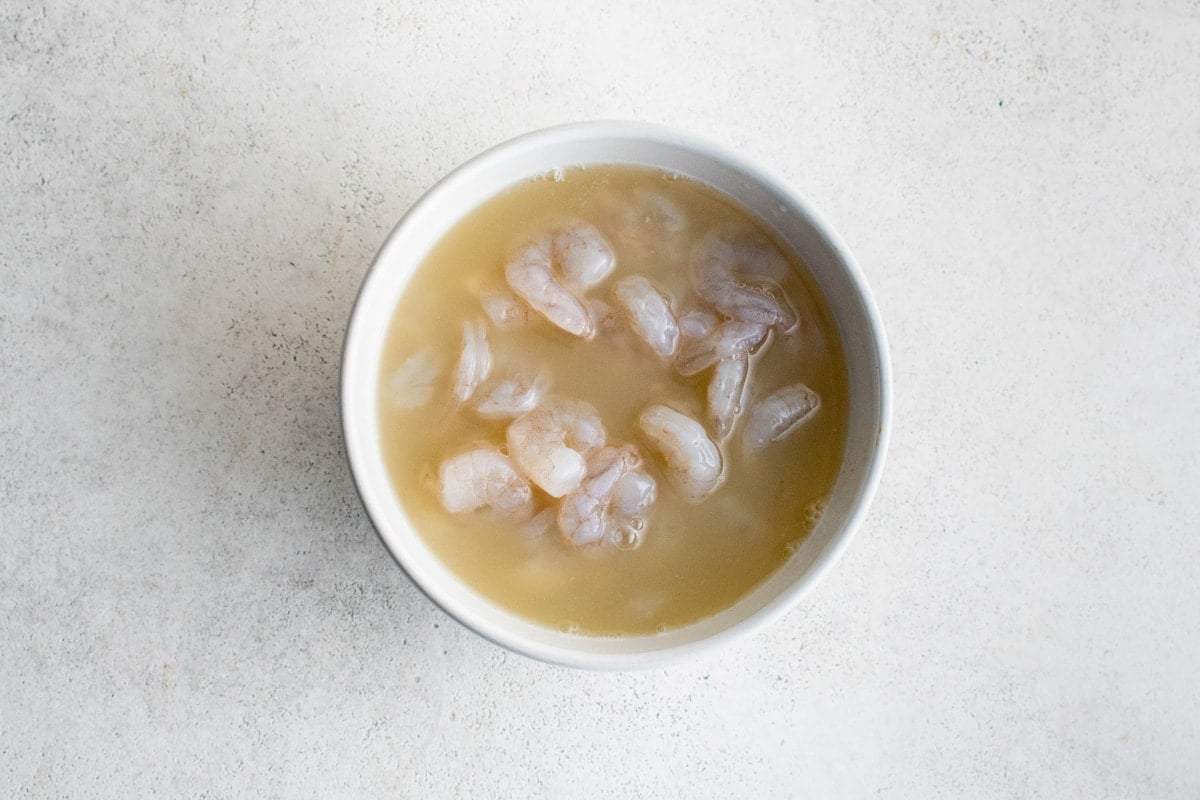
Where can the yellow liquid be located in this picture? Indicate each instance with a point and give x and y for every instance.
(693, 560)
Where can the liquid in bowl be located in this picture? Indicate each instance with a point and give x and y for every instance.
(692, 559)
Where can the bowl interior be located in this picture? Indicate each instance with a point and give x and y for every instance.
(797, 224)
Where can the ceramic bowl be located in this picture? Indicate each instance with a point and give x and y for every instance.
(795, 221)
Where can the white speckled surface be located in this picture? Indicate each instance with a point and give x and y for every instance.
(192, 602)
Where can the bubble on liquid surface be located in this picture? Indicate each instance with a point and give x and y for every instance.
(814, 511)
(569, 627)
(626, 538)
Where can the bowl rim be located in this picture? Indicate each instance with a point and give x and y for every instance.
(787, 598)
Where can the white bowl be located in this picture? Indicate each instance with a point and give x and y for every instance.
(793, 219)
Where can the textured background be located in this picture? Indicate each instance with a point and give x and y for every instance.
(193, 603)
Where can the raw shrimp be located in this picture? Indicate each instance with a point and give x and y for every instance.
(511, 397)
(504, 309)
(583, 517)
(529, 274)
(741, 275)
(411, 385)
(725, 389)
(730, 339)
(693, 461)
(483, 477)
(612, 328)
(650, 223)
(576, 251)
(778, 415)
(474, 362)
(697, 323)
(550, 444)
(583, 254)
(649, 314)
(633, 494)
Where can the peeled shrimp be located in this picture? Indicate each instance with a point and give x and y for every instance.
(474, 362)
(483, 477)
(583, 516)
(583, 254)
(648, 222)
(411, 385)
(607, 503)
(693, 461)
(649, 314)
(530, 276)
(550, 443)
(577, 252)
(731, 339)
(504, 309)
(697, 323)
(725, 389)
(511, 397)
(778, 415)
(633, 494)
(740, 274)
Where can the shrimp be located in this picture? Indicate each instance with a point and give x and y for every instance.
(511, 397)
(579, 254)
(649, 222)
(503, 308)
(634, 493)
(474, 362)
(697, 323)
(740, 274)
(583, 254)
(411, 385)
(550, 443)
(725, 389)
(529, 274)
(779, 415)
(611, 327)
(649, 314)
(693, 461)
(483, 477)
(606, 504)
(583, 516)
(731, 339)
